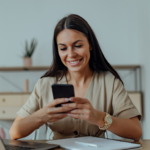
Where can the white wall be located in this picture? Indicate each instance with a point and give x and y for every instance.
(122, 29)
(143, 23)
(114, 23)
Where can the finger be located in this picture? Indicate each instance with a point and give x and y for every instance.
(57, 101)
(55, 110)
(73, 105)
(79, 100)
(80, 111)
(77, 105)
(77, 116)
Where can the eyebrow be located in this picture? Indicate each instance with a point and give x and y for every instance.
(73, 42)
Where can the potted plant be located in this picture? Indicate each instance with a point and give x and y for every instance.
(29, 50)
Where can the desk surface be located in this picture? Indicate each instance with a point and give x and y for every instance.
(145, 144)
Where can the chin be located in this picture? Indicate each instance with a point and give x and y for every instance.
(75, 69)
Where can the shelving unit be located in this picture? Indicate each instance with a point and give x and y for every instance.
(9, 105)
(136, 68)
(137, 74)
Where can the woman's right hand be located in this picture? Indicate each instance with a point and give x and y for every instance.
(52, 113)
(49, 113)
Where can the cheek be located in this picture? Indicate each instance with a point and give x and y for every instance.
(62, 56)
(86, 53)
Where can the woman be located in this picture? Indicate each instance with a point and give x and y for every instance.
(100, 103)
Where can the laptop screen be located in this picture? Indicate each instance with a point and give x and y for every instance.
(2, 147)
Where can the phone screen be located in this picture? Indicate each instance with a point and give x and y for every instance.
(62, 91)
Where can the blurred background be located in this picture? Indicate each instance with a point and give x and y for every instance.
(122, 29)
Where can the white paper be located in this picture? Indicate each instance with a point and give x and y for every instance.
(102, 144)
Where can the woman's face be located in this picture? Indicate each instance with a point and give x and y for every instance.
(74, 50)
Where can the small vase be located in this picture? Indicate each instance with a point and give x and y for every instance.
(26, 85)
(27, 61)
(2, 133)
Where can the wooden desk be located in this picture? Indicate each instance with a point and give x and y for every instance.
(145, 144)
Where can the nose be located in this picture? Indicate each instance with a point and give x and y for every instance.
(71, 52)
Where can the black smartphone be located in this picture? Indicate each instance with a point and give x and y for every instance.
(62, 91)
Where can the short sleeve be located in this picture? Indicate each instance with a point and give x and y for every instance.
(32, 103)
(122, 104)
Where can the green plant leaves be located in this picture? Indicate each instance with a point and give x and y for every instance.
(29, 49)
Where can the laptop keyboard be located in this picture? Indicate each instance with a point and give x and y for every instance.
(10, 147)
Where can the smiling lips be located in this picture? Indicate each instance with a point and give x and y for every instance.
(74, 63)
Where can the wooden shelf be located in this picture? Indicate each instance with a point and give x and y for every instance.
(14, 93)
(123, 67)
(135, 68)
(40, 68)
(33, 68)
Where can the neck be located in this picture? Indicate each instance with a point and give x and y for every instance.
(79, 78)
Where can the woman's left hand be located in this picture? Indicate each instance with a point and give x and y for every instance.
(84, 110)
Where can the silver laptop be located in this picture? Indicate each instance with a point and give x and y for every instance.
(22, 145)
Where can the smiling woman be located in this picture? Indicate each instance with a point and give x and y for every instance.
(74, 50)
(101, 103)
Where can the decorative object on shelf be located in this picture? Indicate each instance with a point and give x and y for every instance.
(26, 85)
(29, 50)
(2, 133)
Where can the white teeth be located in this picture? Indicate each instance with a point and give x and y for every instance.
(74, 62)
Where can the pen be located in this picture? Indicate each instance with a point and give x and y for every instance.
(86, 144)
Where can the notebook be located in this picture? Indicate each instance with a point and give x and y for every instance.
(91, 143)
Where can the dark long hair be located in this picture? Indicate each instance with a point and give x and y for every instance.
(97, 60)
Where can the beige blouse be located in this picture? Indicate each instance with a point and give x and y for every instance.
(105, 92)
